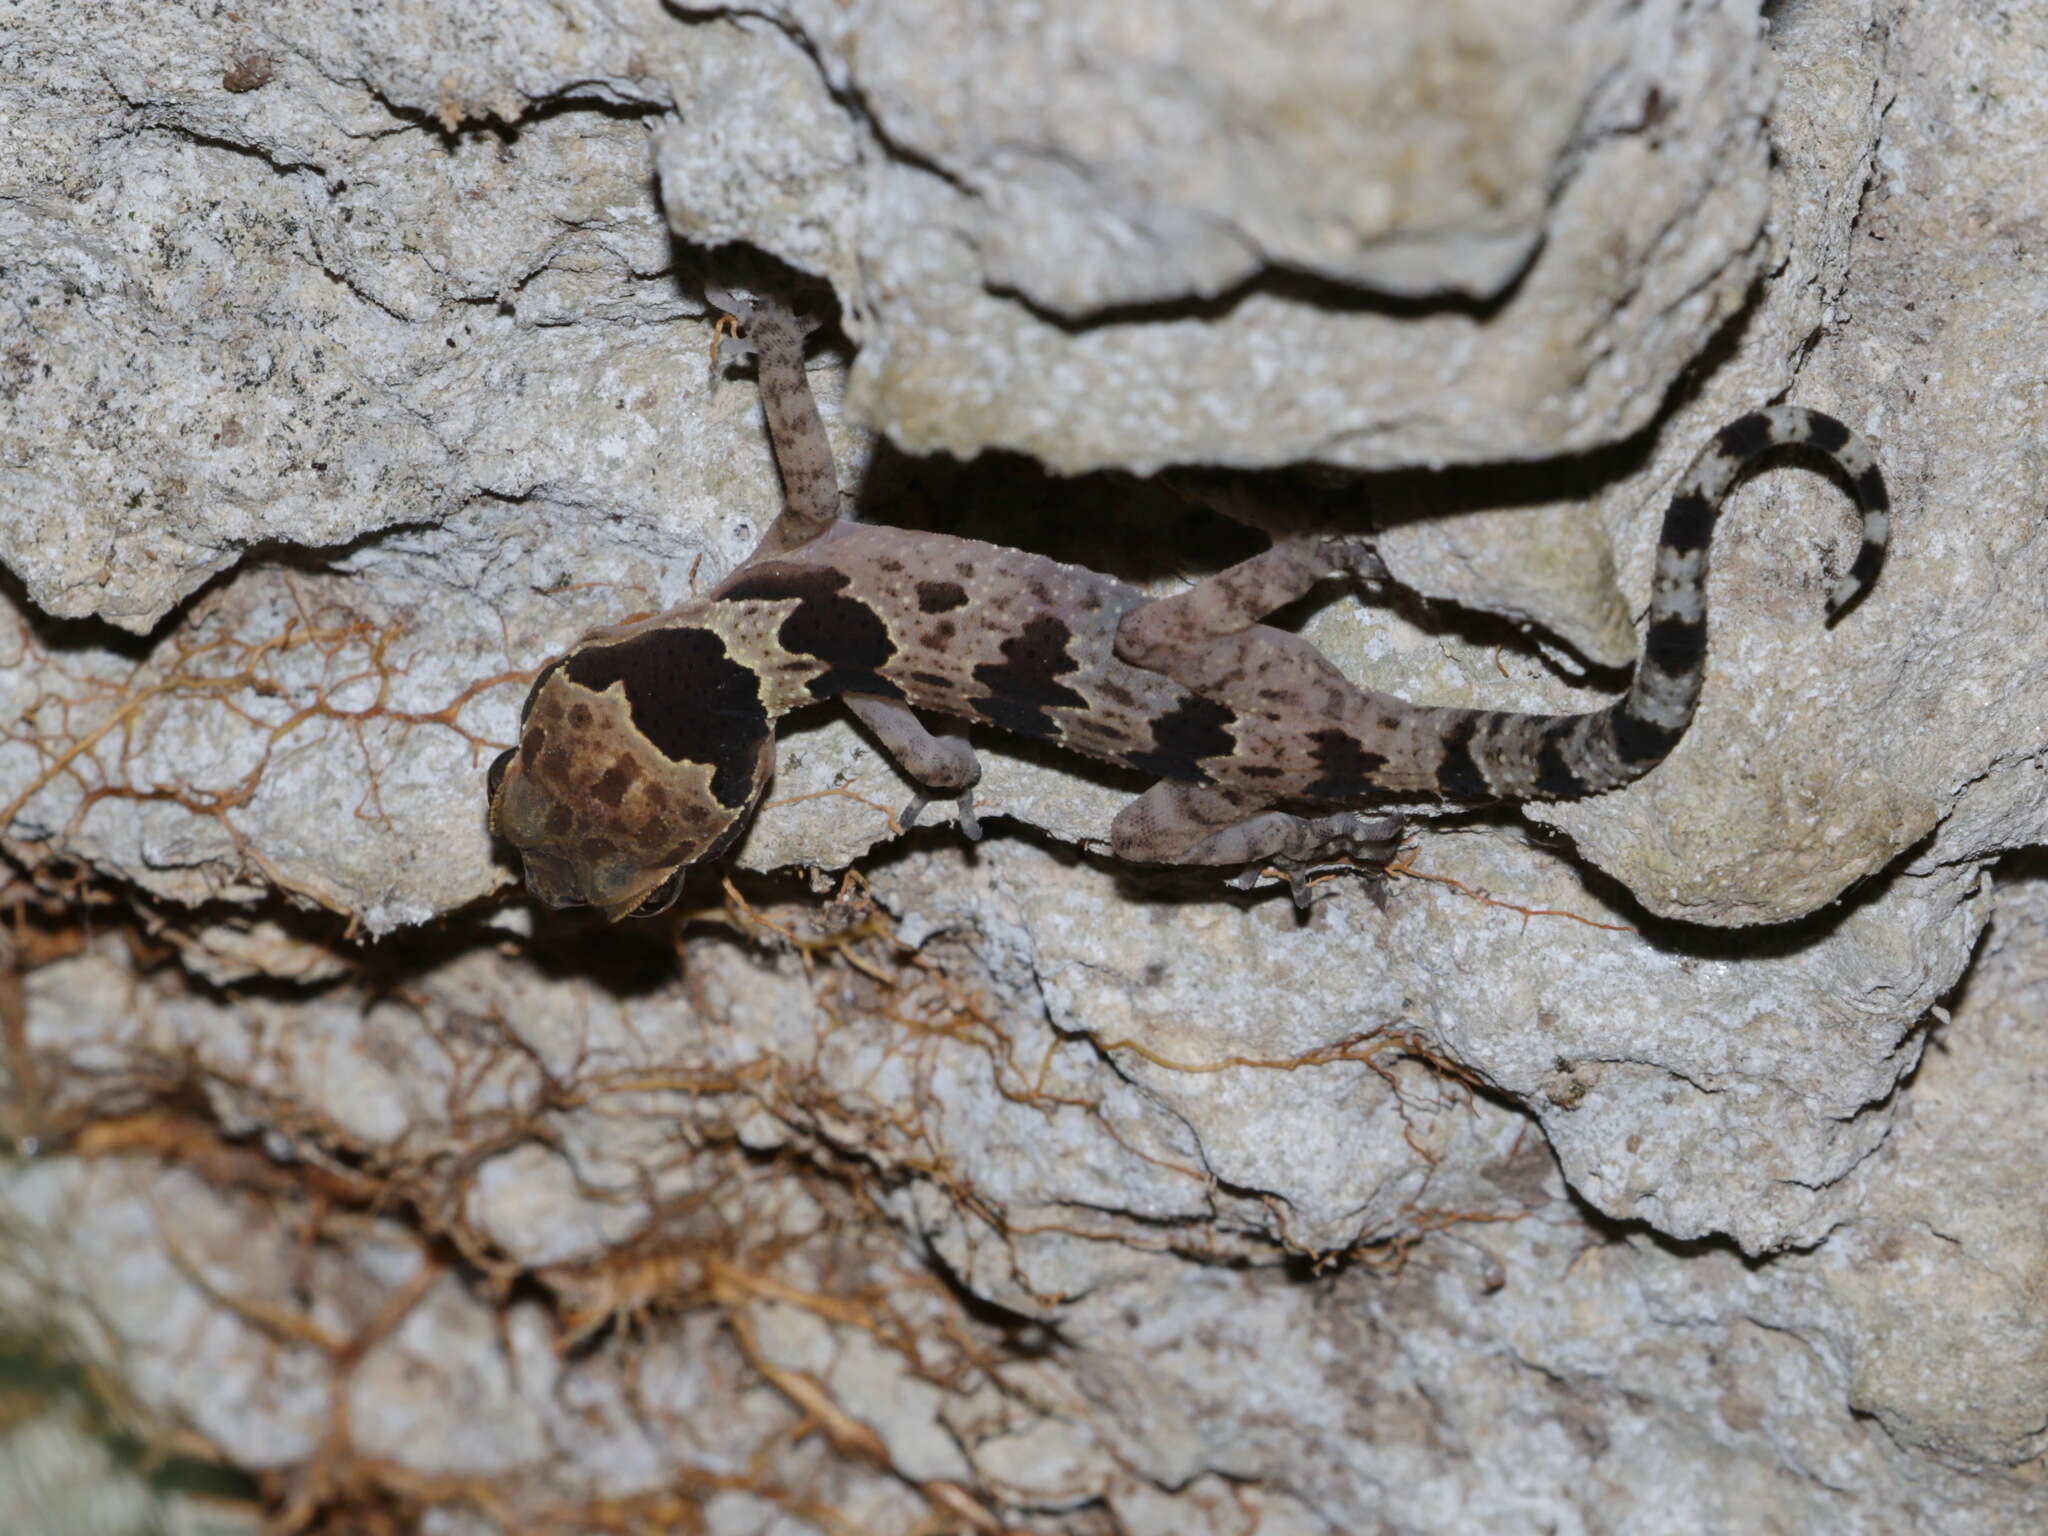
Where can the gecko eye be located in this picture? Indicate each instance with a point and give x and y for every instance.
(663, 896)
(495, 776)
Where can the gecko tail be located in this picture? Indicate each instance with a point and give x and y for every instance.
(1649, 720)
(1534, 757)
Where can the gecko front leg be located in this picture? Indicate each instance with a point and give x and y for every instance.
(943, 763)
(803, 453)
(1189, 636)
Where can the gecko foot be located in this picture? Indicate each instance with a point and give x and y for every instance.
(1345, 841)
(970, 824)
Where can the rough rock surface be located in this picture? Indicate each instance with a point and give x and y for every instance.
(1660, 1161)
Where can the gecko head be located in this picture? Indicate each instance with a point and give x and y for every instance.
(637, 758)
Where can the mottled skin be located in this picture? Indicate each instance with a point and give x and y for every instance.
(647, 747)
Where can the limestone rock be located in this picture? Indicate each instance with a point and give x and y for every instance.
(1660, 1159)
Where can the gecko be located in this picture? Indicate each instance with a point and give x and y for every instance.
(646, 748)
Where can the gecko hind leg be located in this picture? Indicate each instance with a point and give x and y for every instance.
(1176, 823)
(943, 763)
(1189, 635)
(1277, 509)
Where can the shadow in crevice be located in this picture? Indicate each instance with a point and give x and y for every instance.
(1141, 528)
(1289, 285)
(44, 1378)
(1759, 941)
(91, 633)
(76, 636)
(587, 99)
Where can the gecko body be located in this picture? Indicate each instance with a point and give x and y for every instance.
(646, 748)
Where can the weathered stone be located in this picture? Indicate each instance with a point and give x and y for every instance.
(353, 364)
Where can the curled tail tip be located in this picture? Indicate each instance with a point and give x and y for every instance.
(1863, 571)
(1757, 432)
(1846, 591)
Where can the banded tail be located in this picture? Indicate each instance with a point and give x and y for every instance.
(1551, 757)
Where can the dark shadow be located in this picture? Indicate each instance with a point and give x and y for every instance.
(61, 635)
(1763, 941)
(74, 636)
(1291, 285)
(40, 1371)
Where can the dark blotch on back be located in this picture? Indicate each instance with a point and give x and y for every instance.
(1555, 776)
(844, 633)
(688, 697)
(1345, 770)
(540, 678)
(611, 786)
(1460, 773)
(1026, 682)
(940, 596)
(1193, 729)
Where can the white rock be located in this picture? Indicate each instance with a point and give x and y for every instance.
(1615, 1176)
